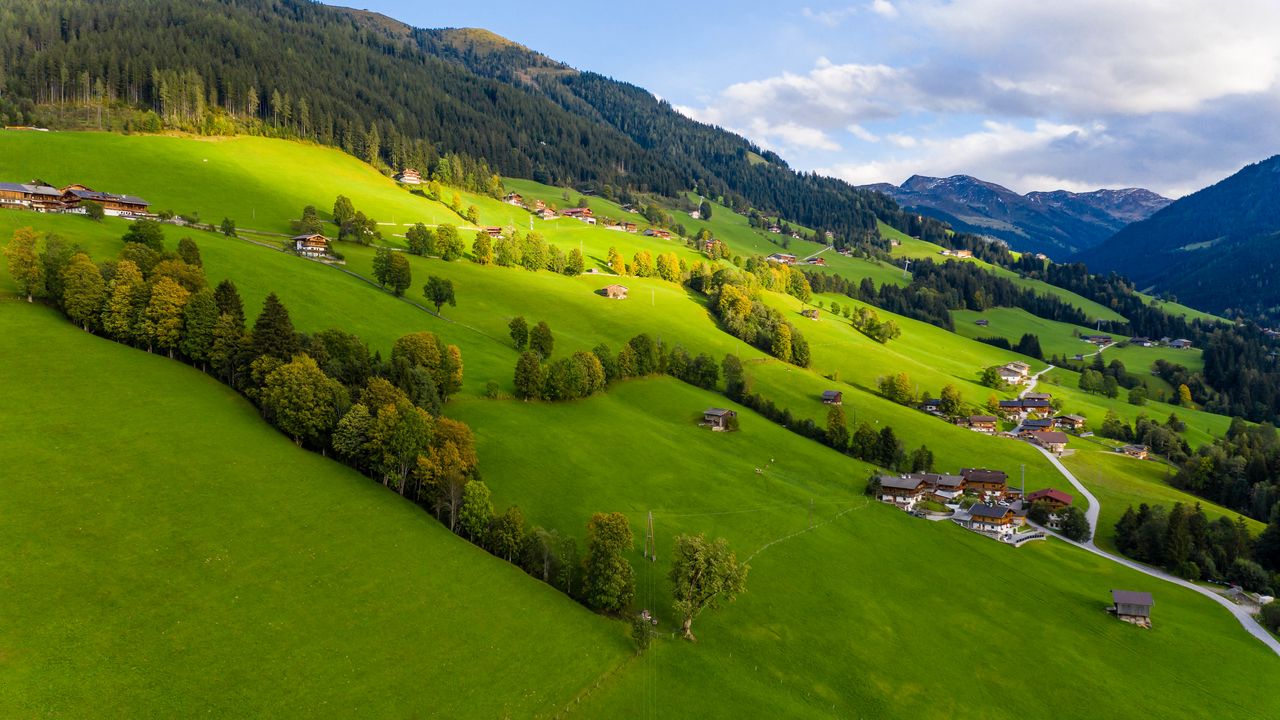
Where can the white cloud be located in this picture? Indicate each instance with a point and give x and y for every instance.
(884, 8)
(1168, 94)
(830, 18)
(862, 133)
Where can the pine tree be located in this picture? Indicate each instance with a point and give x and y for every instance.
(273, 333)
(227, 298)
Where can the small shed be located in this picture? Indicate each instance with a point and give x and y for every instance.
(1132, 606)
(718, 418)
(832, 397)
(614, 292)
(811, 313)
(1138, 451)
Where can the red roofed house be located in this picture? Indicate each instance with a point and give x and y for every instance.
(1055, 498)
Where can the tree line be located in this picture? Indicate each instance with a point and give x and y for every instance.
(1185, 542)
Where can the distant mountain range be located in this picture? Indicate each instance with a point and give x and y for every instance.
(1057, 223)
(1215, 249)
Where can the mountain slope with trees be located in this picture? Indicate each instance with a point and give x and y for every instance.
(393, 95)
(1213, 249)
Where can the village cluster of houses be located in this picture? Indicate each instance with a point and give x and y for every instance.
(40, 197)
(582, 214)
(962, 254)
(999, 510)
(1176, 344)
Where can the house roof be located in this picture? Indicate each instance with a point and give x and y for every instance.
(96, 196)
(1132, 597)
(1051, 437)
(30, 188)
(984, 475)
(1010, 403)
(982, 418)
(1073, 418)
(983, 510)
(1050, 494)
(1037, 423)
(309, 236)
(829, 394)
(1135, 448)
(718, 412)
(894, 482)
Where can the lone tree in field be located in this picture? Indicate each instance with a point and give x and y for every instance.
(439, 291)
(541, 340)
(93, 211)
(343, 210)
(704, 574)
(610, 578)
(381, 265)
(24, 263)
(519, 332)
(399, 274)
(228, 227)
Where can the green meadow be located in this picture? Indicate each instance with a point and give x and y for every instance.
(1120, 481)
(391, 615)
(168, 554)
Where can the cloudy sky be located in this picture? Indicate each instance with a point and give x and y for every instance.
(1171, 95)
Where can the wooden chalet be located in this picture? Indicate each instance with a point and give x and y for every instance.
(492, 231)
(902, 490)
(1139, 451)
(582, 213)
(513, 198)
(658, 233)
(1012, 377)
(1056, 499)
(1019, 367)
(1011, 407)
(783, 258)
(1132, 606)
(1070, 422)
(1097, 339)
(945, 488)
(546, 213)
(822, 262)
(409, 176)
(983, 423)
(539, 205)
(1142, 341)
(1055, 441)
(313, 245)
(832, 397)
(984, 481)
(962, 253)
(73, 197)
(718, 418)
(775, 229)
(931, 405)
(614, 292)
(1180, 344)
(1037, 396)
(993, 519)
(30, 196)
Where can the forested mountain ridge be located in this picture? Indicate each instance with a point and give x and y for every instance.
(1057, 223)
(1214, 249)
(391, 94)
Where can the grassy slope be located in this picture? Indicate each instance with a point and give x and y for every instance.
(1119, 481)
(1012, 323)
(868, 594)
(322, 297)
(168, 554)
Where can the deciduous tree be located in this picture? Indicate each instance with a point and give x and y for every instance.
(302, 401)
(163, 324)
(703, 575)
(439, 291)
(519, 330)
(540, 339)
(24, 263)
(399, 274)
(84, 291)
(610, 580)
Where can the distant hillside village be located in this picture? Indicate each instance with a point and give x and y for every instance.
(41, 197)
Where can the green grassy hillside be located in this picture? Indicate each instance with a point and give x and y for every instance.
(1119, 481)
(169, 554)
(832, 614)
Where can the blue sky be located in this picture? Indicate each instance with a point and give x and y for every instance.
(1167, 94)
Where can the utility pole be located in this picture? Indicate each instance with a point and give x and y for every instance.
(650, 547)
